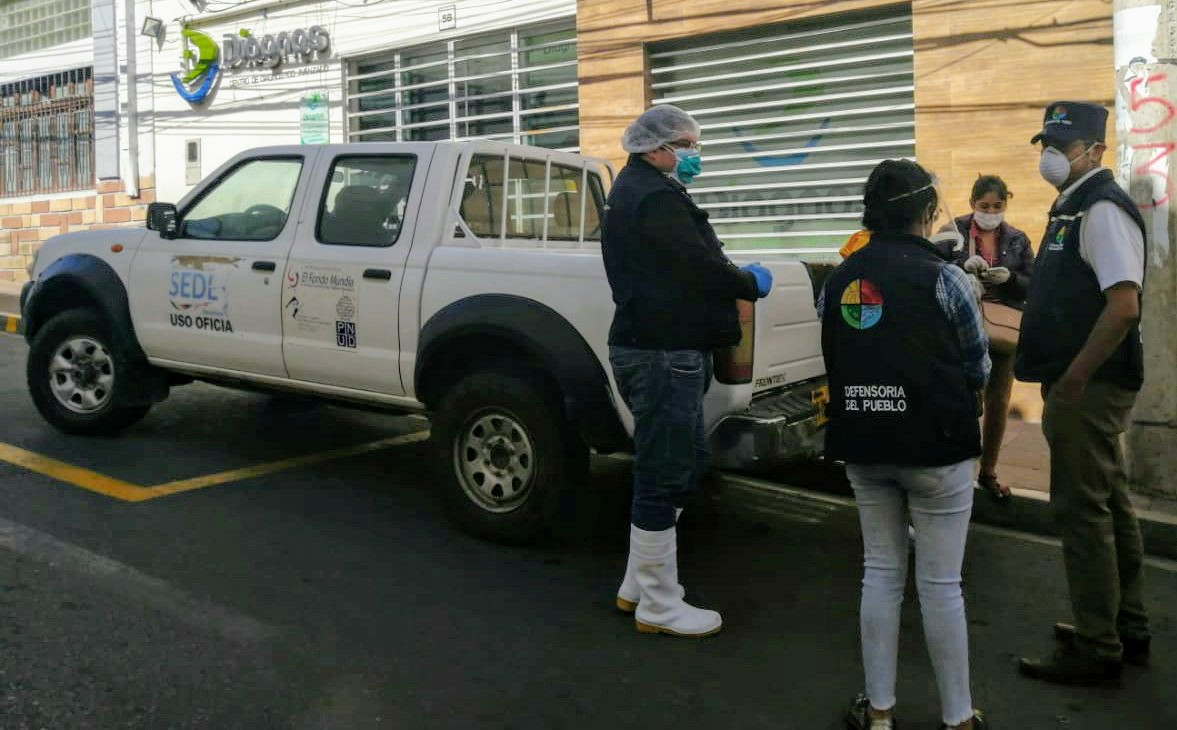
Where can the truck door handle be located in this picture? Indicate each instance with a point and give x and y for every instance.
(263, 266)
(380, 274)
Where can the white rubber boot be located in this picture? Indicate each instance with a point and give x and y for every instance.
(661, 609)
(628, 594)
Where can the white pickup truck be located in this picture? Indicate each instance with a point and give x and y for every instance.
(458, 279)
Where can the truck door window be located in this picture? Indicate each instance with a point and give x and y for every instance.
(482, 198)
(364, 203)
(594, 208)
(250, 203)
(525, 201)
(564, 205)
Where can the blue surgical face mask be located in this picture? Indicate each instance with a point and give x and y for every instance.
(690, 164)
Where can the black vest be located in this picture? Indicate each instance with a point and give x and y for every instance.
(898, 392)
(654, 311)
(1065, 299)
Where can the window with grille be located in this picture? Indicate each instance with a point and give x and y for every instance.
(47, 134)
(515, 85)
(545, 201)
(794, 118)
(32, 25)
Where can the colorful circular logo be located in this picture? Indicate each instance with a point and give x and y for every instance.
(862, 304)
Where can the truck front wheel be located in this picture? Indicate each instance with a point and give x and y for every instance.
(507, 454)
(74, 376)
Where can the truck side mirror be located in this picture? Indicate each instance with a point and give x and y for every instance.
(163, 217)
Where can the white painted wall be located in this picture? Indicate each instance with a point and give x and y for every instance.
(237, 118)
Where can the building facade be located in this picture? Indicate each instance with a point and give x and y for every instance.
(798, 100)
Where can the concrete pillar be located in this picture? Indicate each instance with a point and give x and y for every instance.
(1145, 33)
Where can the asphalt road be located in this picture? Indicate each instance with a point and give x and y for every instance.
(336, 595)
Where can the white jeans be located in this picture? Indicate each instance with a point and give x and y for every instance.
(941, 502)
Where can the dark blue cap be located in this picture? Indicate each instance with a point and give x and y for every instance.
(1067, 121)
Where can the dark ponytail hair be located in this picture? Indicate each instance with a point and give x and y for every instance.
(891, 202)
(986, 184)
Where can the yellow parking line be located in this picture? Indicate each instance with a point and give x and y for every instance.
(128, 492)
(70, 474)
(249, 472)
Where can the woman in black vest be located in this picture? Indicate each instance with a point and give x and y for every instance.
(906, 355)
(1001, 257)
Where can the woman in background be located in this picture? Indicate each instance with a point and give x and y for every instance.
(1004, 262)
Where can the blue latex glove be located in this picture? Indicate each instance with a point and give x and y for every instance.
(763, 278)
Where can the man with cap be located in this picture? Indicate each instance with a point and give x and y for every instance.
(675, 294)
(1080, 338)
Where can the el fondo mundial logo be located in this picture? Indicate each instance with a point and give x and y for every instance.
(202, 61)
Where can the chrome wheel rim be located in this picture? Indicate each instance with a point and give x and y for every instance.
(494, 458)
(81, 375)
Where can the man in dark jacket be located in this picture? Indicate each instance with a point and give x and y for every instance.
(676, 295)
(1080, 338)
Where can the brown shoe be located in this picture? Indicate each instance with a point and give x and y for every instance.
(1136, 651)
(858, 716)
(979, 722)
(1070, 665)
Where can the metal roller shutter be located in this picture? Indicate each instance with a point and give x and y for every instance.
(516, 85)
(794, 117)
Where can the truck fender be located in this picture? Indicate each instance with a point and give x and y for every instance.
(82, 280)
(453, 338)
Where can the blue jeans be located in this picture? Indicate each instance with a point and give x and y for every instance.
(664, 390)
(940, 500)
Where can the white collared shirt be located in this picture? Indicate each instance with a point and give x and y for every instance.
(1110, 242)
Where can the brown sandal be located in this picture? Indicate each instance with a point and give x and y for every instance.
(990, 484)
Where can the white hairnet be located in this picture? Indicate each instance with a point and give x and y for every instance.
(656, 127)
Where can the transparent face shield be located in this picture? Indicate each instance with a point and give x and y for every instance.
(943, 229)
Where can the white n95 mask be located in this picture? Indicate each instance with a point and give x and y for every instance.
(1054, 166)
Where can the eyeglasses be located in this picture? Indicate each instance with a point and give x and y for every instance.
(682, 144)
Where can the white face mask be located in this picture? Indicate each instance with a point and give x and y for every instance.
(1054, 166)
(988, 221)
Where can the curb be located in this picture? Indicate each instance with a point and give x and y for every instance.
(10, 323)
(1024, 510)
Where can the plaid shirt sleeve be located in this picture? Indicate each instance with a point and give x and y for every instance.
(955, 294)
(821, 302)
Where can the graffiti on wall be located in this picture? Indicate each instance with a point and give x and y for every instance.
(1147, 163)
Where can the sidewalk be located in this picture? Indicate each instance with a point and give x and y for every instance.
(9, 306)
(1024, 464)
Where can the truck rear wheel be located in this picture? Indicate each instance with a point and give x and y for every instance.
(74, 376)
(507, 454)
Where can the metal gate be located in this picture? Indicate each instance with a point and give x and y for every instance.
(794, 117)
(47, 134)
(516, 85)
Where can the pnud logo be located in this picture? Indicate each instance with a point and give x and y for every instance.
(202, 64)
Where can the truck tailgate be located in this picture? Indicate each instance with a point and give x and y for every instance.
(788, 332)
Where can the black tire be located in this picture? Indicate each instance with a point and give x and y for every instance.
(109, 417)
(524, 512)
